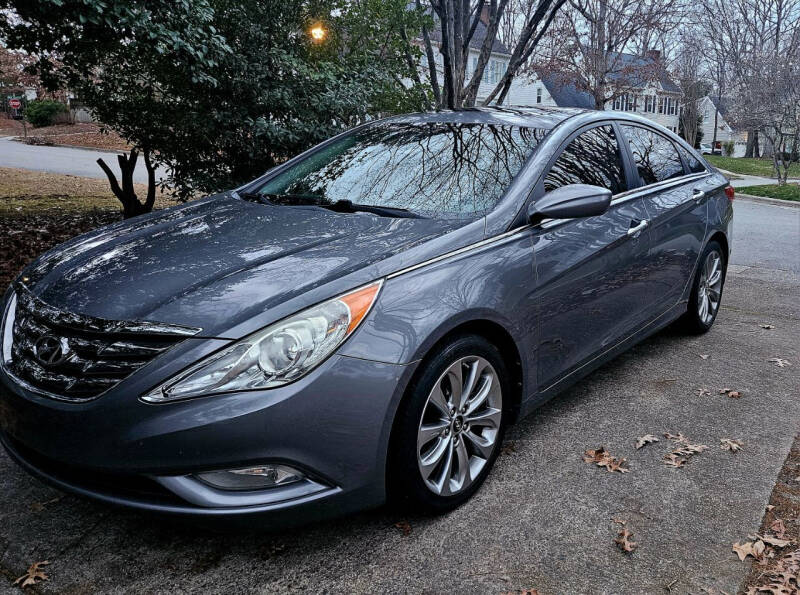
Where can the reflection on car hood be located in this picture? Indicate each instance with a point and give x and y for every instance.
(215, 258)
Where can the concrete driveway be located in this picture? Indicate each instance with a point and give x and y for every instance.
(64, 160)
(544, 518)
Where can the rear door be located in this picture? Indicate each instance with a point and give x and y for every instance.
(592, 285)
(672, 183)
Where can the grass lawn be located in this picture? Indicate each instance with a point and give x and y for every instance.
(749, 166)
(26, 192)
(785, 192)
(39, 210)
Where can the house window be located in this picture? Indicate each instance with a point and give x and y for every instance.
(617, 103)
(660, 105)
(539, 95)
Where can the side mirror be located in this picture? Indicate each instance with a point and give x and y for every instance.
(571, 201)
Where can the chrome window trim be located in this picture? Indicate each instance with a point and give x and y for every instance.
(642, 190)
(549, 223)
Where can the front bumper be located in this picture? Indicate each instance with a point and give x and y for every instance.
(334, 425)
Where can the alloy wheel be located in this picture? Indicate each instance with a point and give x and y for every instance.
(460, 425)
(710, 288)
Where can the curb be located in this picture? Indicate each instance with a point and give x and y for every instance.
(19, 140)
(795, 204)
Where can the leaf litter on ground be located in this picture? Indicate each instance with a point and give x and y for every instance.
(34, 573)
(602, 458)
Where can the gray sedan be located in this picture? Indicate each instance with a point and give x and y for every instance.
(363, 322)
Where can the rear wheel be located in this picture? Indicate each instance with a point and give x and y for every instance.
(706, 295)
(448, 433)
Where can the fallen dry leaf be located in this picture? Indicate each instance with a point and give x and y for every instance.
(704, 356)
(767, 326)
(618, 521)
(702, 392)
(508, 448)
(405, 527)
(645, 440)
(602, 458)
(730, 444)
(624, 541)
(777, 526)
(774, 541)
(683, 450)
(780, 362)
(672, 460)
(35, 573)
(770, 507)
(40, 506)
(733, 394)
(749, 548)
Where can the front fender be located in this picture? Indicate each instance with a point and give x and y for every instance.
(494, 282)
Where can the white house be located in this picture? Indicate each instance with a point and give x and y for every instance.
(709, 108)
(495, 68)
(655, 97)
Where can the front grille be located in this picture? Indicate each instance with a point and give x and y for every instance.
(75, 357)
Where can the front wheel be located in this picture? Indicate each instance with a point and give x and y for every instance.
(706, 296)
(448, 432)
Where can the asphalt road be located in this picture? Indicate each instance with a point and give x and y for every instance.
(543, 520)
(63, 160)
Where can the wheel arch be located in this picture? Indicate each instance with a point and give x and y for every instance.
(495, 333)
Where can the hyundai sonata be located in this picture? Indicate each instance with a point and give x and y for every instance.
(364, 321)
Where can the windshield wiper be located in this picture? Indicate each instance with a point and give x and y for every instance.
(254, 197)
(340, 206)
(347, 206)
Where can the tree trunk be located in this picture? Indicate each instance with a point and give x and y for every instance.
(131, 206)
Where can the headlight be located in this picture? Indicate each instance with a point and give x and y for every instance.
(276, 355)
(7, 329)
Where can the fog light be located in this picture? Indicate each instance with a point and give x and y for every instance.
(258, 477)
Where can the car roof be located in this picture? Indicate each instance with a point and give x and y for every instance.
(535, 117)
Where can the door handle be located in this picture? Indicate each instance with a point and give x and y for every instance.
(636, 229)
(698, 195)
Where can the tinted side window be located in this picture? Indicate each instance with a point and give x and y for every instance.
(592, 158)
(655, 157)
(695, 166)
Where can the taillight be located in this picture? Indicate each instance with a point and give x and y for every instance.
(730, 192)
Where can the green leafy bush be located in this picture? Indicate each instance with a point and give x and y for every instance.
(728, 147)
(41, 112)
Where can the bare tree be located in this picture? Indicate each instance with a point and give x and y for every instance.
(589, 40)
(458, 21)
(761, 40)
(688, 70)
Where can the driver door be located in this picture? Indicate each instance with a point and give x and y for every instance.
(593, 289)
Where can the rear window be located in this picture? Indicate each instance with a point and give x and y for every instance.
(440, 169)
(693, 163)
(655, 157)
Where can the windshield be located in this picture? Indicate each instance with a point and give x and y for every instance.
(443, 170)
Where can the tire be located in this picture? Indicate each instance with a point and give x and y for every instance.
(425, 438)
(697, 320)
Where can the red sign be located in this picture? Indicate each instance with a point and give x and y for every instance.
(14, 103)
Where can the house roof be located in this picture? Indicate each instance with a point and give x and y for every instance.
(477, 38)
(565, 93)
(721, 105)
(638, 71)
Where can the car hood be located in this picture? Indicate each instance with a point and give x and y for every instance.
(213, 263)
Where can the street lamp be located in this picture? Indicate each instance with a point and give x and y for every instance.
(318, 32)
